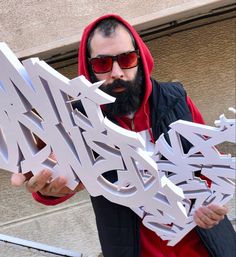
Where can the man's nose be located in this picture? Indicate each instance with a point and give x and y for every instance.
(116, 71)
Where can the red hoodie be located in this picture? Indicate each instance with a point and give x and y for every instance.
(151, 244)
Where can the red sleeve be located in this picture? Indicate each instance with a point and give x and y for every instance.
(197, 117)
(49, 200)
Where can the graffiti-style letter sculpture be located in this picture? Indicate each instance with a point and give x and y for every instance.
(36, 103)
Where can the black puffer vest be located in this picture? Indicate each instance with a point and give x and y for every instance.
(118, 226)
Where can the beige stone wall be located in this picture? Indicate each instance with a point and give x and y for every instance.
(203, 59)
(30, 23)
(35, 26)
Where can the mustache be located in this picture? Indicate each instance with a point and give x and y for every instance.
(108, 88)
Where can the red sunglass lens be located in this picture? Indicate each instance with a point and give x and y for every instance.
(104, 64)
(128, 60)
(101, 64)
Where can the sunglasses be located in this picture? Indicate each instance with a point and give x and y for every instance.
(103, 64)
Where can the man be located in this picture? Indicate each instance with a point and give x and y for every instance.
(111, 50)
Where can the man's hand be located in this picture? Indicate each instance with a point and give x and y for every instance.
(209, 216)
(43, 183)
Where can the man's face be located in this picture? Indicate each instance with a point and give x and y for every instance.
(124, 84)
(119, 42)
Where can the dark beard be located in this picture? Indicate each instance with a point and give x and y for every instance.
(127, 101)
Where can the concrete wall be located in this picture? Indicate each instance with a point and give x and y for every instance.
(203, 59)
(31, 27)
(31, 23)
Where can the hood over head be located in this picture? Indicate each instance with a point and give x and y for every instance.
(141, 118)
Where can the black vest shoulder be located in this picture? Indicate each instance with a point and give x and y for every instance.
(168, 104)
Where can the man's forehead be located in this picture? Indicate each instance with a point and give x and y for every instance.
(118, 41)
